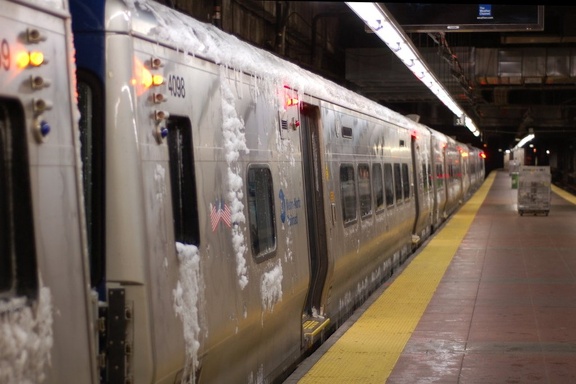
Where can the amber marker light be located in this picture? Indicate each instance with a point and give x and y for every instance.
(22, 60)
(25, 59)
(291, 101)
(157, 80)
(36, 58)
(147, 79)
(142, 79)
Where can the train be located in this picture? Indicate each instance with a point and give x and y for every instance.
(45, 301)
(183, 207)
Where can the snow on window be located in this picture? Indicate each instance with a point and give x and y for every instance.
(186, 301)
(26, 339)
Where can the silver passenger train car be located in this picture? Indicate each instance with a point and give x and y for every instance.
(204, 212)
(46, 305)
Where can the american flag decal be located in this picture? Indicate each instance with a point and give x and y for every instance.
(220, 211)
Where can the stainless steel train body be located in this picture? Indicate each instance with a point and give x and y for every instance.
(230, 211)
(46, 313)
(475, 168)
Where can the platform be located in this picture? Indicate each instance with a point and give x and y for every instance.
(490, 298)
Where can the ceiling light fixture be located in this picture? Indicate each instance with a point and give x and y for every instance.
(524, 141)
(383, 24)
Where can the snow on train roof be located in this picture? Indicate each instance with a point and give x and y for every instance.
(205, 40)
(49, 4)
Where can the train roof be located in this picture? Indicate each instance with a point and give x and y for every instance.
(161, 24)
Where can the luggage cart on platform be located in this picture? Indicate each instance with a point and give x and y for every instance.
(534, 186)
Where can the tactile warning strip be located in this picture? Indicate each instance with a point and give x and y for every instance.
(368, 351)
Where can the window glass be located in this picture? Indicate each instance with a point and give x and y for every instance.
(428, 176)
(183, 182)
(378, 184)
(439, 175)
(397, 182)
(406, 186)
(261, 212)
(18, 274)
(389, 184)
(6, 201)
(424, 177)
(348, 193)
(364, 190)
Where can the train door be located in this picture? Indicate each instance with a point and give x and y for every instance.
(91, 130)
(418, 187)
(312, 160)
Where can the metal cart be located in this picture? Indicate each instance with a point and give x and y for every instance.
(534, 186)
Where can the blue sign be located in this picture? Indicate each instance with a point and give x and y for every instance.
(288, 208)
(485, 11)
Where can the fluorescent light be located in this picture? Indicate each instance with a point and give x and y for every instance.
(524, 141)
(386, 28)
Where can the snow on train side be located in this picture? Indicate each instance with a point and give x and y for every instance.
(239, 208)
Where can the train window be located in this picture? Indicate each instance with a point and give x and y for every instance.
(439, 175)
(348, 193)
(406, 187)
(347, 132)
(378, 186)
(397, 182)
(424, 177)
(261, 211)
(183, 181)
(364, 190)
(18, 275)
(389, 184)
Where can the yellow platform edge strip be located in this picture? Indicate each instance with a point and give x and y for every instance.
(565, 195)
(368, 351)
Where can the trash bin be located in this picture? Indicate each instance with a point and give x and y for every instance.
(514, 180)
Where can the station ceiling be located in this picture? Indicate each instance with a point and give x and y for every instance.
(510, 81)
